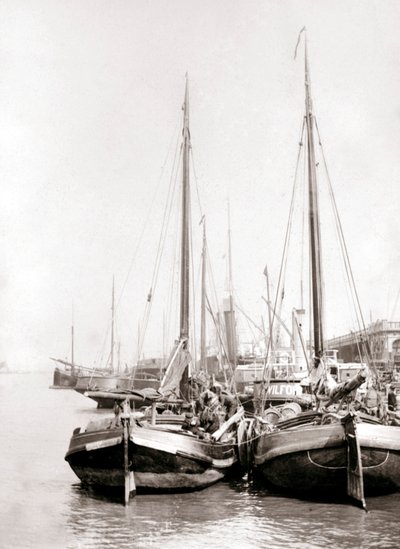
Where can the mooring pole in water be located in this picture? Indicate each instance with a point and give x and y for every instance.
(355, 481)
(130, 488)
(153, 413)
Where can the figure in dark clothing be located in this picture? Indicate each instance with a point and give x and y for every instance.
(117, 408)
(194, 389)
(230, 403)
(392, 399)
(227, 401)
(210, 420)
(191, 424)
(207, 399)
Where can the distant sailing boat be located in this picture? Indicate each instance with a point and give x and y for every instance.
(100, 388)
(65, 374)
(147, 455)
(327, 452)
(73, 376)
(94, 383)
(106, 377)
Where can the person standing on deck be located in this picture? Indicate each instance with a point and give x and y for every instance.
(392, 399)
(371, 400)
(227, 401)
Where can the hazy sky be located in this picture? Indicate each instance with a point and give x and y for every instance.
(90, 98)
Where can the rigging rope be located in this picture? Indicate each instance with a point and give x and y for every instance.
(161, 243)
(286, 244)
(346, 259)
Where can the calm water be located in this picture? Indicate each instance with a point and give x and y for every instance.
(43, 505)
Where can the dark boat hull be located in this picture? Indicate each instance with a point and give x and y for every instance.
(313, 459)
(161, 459)
(108, 402)
(115, 384)
(110, 381)
(64, 379)
(138, 385)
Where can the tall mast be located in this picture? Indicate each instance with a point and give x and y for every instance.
(203, 359)
(112, 329)
(119, 358)
(270, 347)
(72, 346)
(315, 236)
(184, 309)
(72, 341)
(232, 326)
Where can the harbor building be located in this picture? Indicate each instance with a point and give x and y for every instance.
(382, 338)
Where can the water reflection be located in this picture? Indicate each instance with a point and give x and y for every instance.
(226, 515)
(42, 504)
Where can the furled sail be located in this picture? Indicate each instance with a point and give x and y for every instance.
(178, 361)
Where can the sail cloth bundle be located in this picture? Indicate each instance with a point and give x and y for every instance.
(179, 359)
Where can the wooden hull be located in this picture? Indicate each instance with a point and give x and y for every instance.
(135, 384)
(162, 459)
(101, 382)
(249, 404)
(62, 378)
(313, 459)
(108, 403)
(115, 384)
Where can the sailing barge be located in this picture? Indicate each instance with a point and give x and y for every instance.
(136, 454)
(328, 451)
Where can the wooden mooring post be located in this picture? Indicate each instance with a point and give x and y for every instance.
(130, 487)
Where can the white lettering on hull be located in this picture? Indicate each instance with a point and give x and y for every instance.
(284, 389)
(103, 443)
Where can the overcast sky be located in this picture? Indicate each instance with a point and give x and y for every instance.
(90, 99)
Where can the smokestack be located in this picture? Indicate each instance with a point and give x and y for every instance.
(230, 329)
